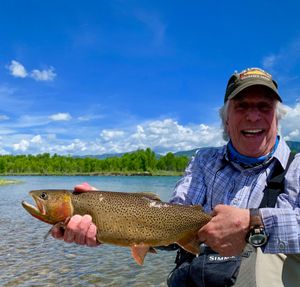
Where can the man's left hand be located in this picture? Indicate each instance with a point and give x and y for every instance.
(227, 230)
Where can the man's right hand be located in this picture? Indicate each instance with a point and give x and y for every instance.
(79, 229)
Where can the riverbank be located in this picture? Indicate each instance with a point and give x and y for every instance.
(8, 181)
(146, 173)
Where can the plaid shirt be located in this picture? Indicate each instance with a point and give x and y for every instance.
(211, 179)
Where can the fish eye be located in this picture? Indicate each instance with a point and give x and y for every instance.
(44, 195)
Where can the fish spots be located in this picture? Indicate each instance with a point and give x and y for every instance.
(128, 218)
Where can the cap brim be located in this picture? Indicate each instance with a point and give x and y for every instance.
(249, 84)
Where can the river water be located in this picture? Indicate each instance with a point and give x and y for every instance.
(27, 260)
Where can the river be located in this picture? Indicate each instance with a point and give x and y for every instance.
(27, 260)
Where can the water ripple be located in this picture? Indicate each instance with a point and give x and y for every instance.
(27, 260)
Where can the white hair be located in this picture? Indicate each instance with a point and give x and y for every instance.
(281, 111)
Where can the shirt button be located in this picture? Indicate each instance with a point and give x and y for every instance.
(235, 201)
(281, 245)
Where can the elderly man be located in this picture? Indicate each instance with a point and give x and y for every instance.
(229, 181)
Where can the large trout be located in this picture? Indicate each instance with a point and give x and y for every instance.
(137, 220)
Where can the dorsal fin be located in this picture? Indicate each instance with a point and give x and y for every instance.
(148, 195)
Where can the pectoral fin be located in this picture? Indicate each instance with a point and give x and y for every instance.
(59, 225)
(190, 243)
(139, 252)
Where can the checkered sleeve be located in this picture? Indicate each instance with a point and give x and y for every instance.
(191, 186)
(283, 223)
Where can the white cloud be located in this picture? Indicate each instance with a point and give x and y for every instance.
(283, 61)
(60, 117)
(77, 137)
(4, 118)
(36, 139)
(44, 75)
(22, 146)
(3, 151)
(292, 135)
(17, 69)
(111, 134)
(89, 117)
(163, 136)
(139, 134)
(76, 146)
(160, 135)
(290, 124)
(26, 145)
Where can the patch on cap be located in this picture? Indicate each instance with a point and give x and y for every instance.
(255, 73)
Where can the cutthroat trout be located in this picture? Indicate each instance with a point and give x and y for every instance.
(140, 221)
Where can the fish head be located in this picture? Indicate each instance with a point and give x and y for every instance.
(52, 206)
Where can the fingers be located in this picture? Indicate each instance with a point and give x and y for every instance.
(80, 230)
(201, 235)
(77, 229)
(217, 209)
(86, 232)
(91, 236)
(84, 187)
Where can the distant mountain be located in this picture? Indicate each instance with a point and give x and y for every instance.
(108, 155)
(294, 146)
(188, 153)
(101, 156)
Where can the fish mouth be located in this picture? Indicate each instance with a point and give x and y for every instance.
(39, 209)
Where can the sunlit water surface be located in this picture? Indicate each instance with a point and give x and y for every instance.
(27, 260)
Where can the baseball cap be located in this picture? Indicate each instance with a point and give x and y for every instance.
(247, 78)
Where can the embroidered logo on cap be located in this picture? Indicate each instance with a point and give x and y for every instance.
(255, 73)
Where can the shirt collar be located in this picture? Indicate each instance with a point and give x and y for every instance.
(281, 154)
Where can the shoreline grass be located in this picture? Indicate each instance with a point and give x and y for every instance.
(112, 173)
(4, 181)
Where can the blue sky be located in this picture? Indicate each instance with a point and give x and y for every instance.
(94, 77)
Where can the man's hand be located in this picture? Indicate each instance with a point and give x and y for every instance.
(84, 187)
(79, 229)
(227, 230)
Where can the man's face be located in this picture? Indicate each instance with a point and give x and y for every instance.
(251, 121)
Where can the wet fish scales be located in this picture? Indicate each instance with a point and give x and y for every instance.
(124, 218)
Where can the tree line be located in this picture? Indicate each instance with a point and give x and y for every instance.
(140, 161)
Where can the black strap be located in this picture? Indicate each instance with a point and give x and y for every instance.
(275, 184)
